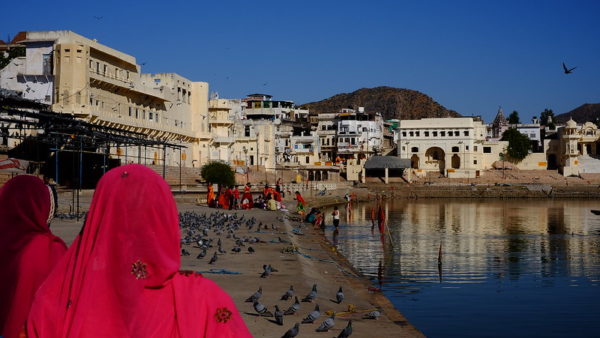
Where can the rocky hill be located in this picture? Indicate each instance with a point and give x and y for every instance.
(589, 112)
(391, 102)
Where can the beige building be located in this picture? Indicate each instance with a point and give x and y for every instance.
(104, 86)
(453, 147)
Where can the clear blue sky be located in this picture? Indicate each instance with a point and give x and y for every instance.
(470, 56)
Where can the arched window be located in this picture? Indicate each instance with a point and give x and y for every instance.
(414, 149)
(455, 149)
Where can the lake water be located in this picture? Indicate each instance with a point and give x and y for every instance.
(509, 267)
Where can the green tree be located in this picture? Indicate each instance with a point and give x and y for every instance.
(547, 118)
(218, 172)
(10, 54)
(513, 118)
(518, 144)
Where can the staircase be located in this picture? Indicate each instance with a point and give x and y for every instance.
(188, 175)
(589, 165)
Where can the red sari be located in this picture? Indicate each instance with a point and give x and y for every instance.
(120, 276)
(247, 201)
(210, 196)
(28, 249)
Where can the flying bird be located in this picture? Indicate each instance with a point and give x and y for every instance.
(567, 70)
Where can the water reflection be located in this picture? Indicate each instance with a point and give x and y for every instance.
(489, 248)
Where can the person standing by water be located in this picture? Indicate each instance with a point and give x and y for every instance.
(121, 278)
(28, 250)
(300, 206)
(336, 217)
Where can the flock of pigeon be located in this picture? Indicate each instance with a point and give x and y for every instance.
(205, 232)
(310, 318)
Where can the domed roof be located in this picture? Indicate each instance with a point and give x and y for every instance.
(571, 123)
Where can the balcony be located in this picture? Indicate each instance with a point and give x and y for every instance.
(223, 139)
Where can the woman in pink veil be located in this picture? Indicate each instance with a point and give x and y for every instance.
(121, 278)
(28, 250)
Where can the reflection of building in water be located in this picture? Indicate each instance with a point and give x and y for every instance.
(480, 239)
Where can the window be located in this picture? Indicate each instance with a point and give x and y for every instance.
(411, 134)
(455, 149)
(67, 50)
(487, 150)
(474, 161)
(130, 109)
(475, 148)
(456, 133)
(417, 133)
(435, 133)
(467, 147)
(414, 149)
(136, 113)
(403, 134)
(466, 133)
(104, 69)
(156, 117)
(442, 133)
(47, 64)
(307, 159)
(98, 67)
(426, 134)
(353, 141)
(47, 98)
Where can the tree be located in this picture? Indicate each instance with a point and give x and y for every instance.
(12, 53)
(547, 118)
(518, 144)
(218, 172)
(513, 118)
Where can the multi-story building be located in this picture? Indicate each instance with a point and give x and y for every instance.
(91, 81)
(326, 129)
(455, 147)
(359, 135)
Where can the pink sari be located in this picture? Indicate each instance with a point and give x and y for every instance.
(28, 249)
(120, 277)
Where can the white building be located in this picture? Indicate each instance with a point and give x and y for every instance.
(359, 135)
(454, 147)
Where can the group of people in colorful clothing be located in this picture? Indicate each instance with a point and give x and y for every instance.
(119, 278)
(229, 197)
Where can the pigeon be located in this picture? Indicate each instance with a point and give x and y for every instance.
(316, 313)
(272, 269)
(312, 295)
(293, 332)
(292, 309)
(278, 315)
(221, 251)
(327, 324)
(201, 254)
(347, 331)
(339, 296)
(262, 310)
(372, 315)
(265, 273)
(250, 250)
(237, 249)
(213, 259)
(184, 252)
(289, 293)
(255, 296)
(568, 70)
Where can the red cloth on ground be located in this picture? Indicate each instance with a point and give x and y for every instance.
(120, 276)
(28, 249)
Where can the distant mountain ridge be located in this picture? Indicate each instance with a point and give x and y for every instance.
(391, 102)
(588, 112)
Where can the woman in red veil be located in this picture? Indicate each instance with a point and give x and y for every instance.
(121, 278)
(28, 249)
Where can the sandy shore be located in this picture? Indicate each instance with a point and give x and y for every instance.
(316, 263)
